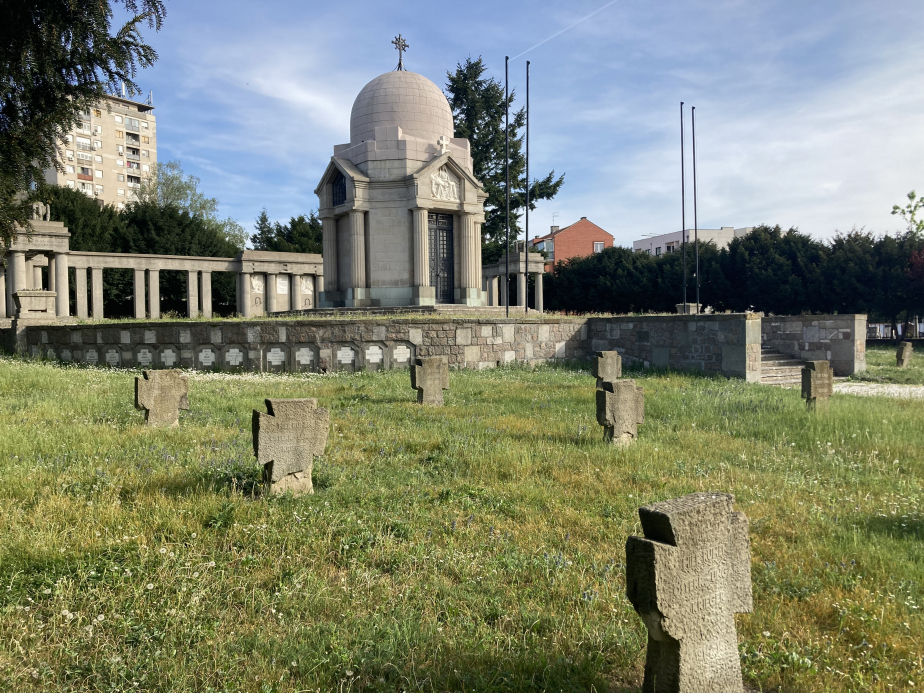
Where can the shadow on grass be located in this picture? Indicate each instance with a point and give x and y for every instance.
(896, 527)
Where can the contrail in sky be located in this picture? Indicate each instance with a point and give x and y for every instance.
(582, 19)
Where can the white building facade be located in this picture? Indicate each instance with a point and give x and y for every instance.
(666, 243)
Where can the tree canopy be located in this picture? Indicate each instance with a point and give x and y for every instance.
(478, 108)
(58, 57)
(169, 186)
(769, 270)
(301, 235)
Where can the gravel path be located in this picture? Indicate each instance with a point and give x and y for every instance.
(880, 390)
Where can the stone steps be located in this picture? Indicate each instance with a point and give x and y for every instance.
(779, 369)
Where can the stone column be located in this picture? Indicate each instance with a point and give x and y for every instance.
(154, 294)
(138, 296)
(206, 294)
(503, 281)
(3, 298)
(80, 292)
(357, 253)
(270, 293)
(96, 282)
(421, 247)
(36, 276)
(469, 268)
(63, 298)
(539, 306)
(493, 298)
(521, 289)
(295, 292)
(246, 298)
(51, 273)
(192, 293)
(329, 229)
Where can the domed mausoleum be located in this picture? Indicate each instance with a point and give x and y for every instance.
(400, 207)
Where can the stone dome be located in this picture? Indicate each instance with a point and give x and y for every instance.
(405, 99)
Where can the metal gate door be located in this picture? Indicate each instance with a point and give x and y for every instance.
(442, 277)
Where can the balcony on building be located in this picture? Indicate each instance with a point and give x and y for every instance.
(133, 128)
(84, 176)
(133, 157)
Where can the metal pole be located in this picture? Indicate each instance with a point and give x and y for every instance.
(507, 169)
(695, 219)
(525, 299)
(683, 215)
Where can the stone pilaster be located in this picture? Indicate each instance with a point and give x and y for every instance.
(206, 294)
(138, 291)
(96, 281)
(62, 300)
(154, 293)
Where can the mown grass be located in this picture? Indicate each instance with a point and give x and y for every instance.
(476, 547)
(880, 367)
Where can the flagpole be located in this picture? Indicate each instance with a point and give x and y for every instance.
(525, 300)
(695, 219)
(507, 169)
(683, 214)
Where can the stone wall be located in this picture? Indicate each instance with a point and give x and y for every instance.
(840, 339)
(721, 344)
(727, 344)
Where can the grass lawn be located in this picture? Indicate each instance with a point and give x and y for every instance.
(880, 367)
(476, 547)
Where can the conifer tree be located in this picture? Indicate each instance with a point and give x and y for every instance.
(478, 109)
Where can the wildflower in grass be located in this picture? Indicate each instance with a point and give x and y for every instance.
(150, 586)
(163, 550)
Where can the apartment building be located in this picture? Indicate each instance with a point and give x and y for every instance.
(112, 148)
(665, 243)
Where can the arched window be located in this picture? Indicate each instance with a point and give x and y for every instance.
(338, 189)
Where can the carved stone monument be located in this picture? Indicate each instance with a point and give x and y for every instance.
(817, 383)
(430, 376)
(607, 367)
(162, 394)
(285, 441)
(903, 355)
(687, 578)
(620, 409)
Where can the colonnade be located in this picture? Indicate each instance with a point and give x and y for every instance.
(354, 288)
(497, 290)
(24, 272)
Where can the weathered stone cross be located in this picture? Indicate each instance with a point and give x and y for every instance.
(400, 45)
(607, 367)
(903, 355)
(162, 394)
(430, 376)
(443, 144)
(620, 409)
(687, 578)
(285, 440)
(817, 383)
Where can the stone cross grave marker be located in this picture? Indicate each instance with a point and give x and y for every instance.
(687, 578)
(620, 409)
(817, 383)
(430, 376)
(162, 394)
(285, 441)
(607, 367)
(903, 355)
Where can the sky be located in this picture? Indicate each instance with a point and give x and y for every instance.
(808, 113)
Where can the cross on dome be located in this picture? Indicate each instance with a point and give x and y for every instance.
(443, 144)
(400, 45)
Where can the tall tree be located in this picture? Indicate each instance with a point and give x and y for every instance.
(58, 57)
(168, 185)
(478, 108)
(301, 235)
(910, 213)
